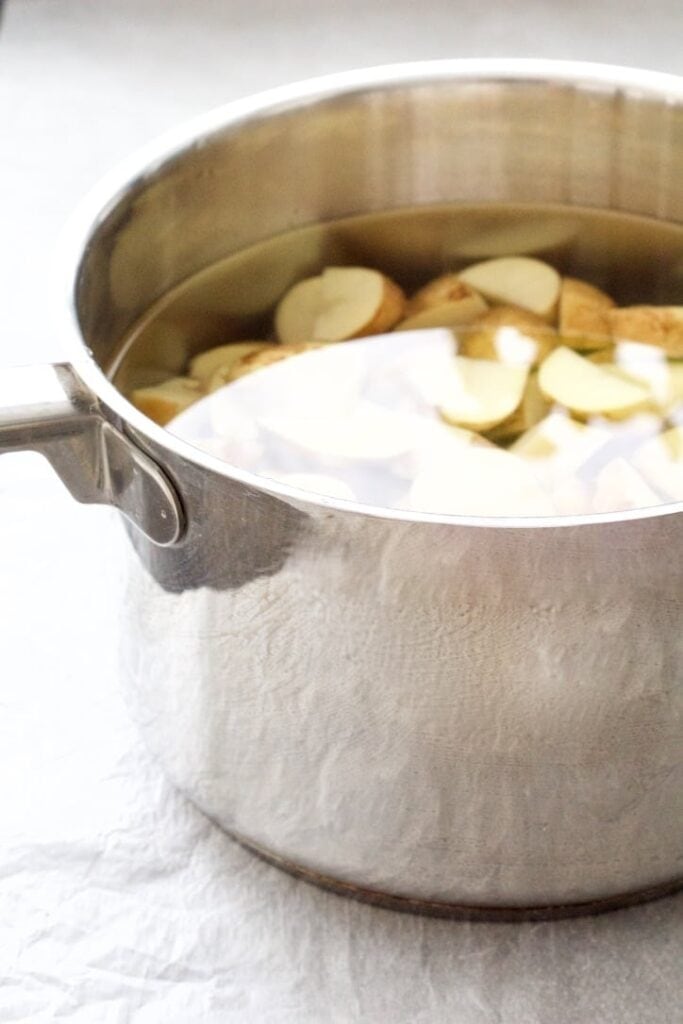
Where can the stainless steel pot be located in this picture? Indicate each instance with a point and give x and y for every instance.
(435, 713)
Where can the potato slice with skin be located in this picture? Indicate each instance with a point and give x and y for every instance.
(585, 345)
(296, 311)
(650, 325)
(357, 302)
(204, 366)
(446, 289)
(514, 316)
(532, 409)
(509, 335)
(339, 304)
(583, 314)
(588, 389)
(253, 361)
(163, 402)
(481, 393)
(448, 314)
(631, 374)
(601, 356)
(647, 366)
(517, 281)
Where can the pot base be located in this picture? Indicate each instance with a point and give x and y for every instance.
(461, 911)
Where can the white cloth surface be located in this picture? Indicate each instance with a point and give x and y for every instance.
(118, 900)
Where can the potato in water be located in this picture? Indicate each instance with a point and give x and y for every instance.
(445, 302)
(480, 393)
(341, 303)
(204, 366)
(517, 281)
(584, 321)
(530, 411)
(650, 325)
(588, 389)
(251, 361)
(560, 401)
(163, 402)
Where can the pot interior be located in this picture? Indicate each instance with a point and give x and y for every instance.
(369, 150)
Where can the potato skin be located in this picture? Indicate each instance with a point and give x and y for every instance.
(446, 288)
(266, 357)
(162, 402)
(584, 314)
(651, 325)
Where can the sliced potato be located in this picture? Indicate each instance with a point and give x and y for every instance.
(517, 281)
(203, 366)
(163, 402)
(583, 315)
(589, 389)
(647, 366)
(297, 310)
(339, 304)
(448, 314)
(481, 393)
(532, 409)
(619, 487)
(448, 288)
(650, 325)
(357, 302)
(586, 345)
(606, 355)
(508, 334)
(224, 375)
(257, 360)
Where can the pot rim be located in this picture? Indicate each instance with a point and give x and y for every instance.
(145, 161)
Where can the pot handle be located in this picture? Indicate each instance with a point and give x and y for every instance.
(48, 409)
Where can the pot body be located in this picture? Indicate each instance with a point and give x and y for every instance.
(440, 713)
(448, 712)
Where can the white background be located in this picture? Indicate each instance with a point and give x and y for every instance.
(118, 901)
